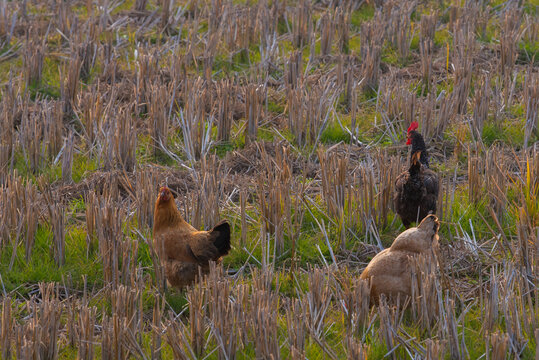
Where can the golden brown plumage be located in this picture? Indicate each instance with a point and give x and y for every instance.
(181, 248)
(390, 272)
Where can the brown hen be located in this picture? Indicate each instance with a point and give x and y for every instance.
(182, 249)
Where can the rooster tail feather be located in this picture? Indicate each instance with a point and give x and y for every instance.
(221, 237)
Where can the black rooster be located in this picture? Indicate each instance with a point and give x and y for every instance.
(416, 190)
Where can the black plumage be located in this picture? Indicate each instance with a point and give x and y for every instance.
(416, 189)
(418, 144)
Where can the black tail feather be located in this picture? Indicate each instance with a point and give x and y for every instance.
(222, 238)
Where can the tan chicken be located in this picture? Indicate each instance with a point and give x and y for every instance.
(182, 249)
(390, 272)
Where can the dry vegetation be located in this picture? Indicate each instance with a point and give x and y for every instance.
(288, 119)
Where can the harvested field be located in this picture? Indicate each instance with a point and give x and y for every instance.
(289, 119)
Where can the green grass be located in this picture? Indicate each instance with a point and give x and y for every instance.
(361, 15)
(333, 133)
(42, 267)
(528, 53)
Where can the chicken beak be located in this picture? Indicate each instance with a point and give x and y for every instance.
(163, 195)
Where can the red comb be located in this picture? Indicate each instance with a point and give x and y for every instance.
(413, 126)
